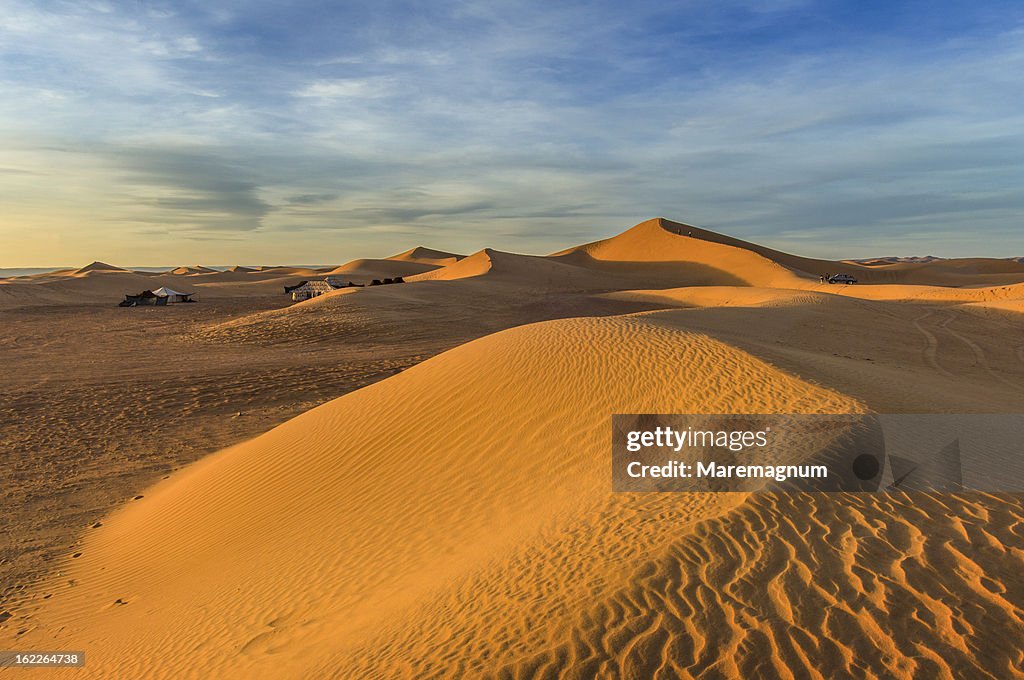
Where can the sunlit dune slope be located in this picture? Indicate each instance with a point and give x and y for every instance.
(744, 263)
(469, 493)
(658, 240)
(97, 267)
(456, 521)
(529, 271)
(578, 272)
(1005, 298)
(978, 294)
(363, 270)
(896, 356)
(723, 296)
(425, 255)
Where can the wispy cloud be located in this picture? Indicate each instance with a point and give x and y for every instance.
(513, 124)
(350, 88)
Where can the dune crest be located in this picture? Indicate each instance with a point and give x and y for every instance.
(661, 240)
(528, 270)
(187, 271)
(98, 267)
(365, 268)
(405, 488)
(744, 263)
(425, 255)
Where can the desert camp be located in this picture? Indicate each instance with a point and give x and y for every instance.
(159, 297)
(311, 289)
(173, 295)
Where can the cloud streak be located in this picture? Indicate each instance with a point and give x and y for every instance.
(511, 124)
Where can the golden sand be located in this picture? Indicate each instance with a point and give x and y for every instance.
(456, 519)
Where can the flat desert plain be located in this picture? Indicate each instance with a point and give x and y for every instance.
(412, 481)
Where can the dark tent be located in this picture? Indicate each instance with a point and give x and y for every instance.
(146, 297)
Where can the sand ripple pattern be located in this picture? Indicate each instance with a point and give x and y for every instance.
(788, 586)
(277, 557)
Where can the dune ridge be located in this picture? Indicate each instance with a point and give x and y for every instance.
(98, 267)
(425, 255)
(661, 240)
(322, 466)
(189, 270)
(379, 269)
(531, 271)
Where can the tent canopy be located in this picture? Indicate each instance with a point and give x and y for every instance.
(165, 291)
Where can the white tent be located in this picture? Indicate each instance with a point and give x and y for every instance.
(172, 295)
(311, 289)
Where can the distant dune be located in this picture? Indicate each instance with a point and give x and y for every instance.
(106, 285)
(524, 270)
(425, 255)
(364, 270)
(98, 267)
(894, 259)
(657, 253)
(739, 262)
(196, 269)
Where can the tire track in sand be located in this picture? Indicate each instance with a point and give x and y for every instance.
(931, 348)
(981, 359)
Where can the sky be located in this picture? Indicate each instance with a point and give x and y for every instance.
(159, 133)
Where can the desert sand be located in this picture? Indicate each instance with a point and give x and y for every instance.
(412, 481)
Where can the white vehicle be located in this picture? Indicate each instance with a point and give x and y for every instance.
(841, 278)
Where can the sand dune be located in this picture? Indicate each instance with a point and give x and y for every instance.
(731, 261)
(742, 263)
(1002, 298)
(579, 272)
(187, 270)
(425, 255)
(98, 267)
(1014, 306)
(893, 259)
(456, 519)
(363, 270)
(486, 553)
(77, 288)
(413, 486)
(723, 296)
(523, 270)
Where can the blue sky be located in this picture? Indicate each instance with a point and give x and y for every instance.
(157, 133)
